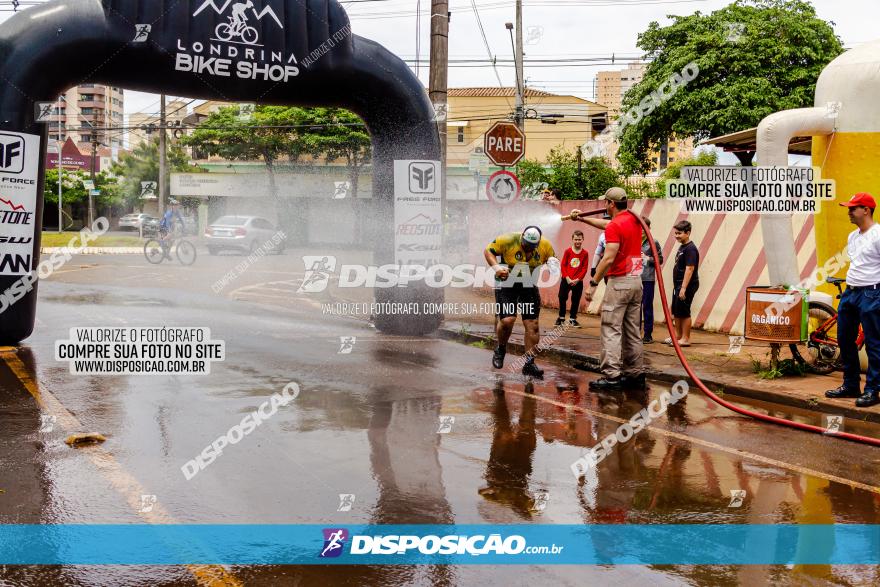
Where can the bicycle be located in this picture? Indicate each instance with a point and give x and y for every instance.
(823, 350)
(157, 250)
(228, 31)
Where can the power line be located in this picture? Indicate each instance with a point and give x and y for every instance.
(488, 48)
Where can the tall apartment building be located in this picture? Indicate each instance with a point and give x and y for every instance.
(87, 111)
(611, 87)
(175, 112)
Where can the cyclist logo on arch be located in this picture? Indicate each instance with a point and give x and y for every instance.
(237, 27)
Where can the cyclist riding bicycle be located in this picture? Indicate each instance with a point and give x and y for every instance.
(168, 225)
(239, 18)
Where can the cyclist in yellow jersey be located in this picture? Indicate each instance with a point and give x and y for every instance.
(516, 259)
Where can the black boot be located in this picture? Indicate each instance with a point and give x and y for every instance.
(869, 398)
(605, 384)
(498, 356)
(637, 382)
(842, 391)
(532, 370)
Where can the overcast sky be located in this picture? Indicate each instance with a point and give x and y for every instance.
(554, 29)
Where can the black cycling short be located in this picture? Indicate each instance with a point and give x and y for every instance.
(682, 308)
(518, 299)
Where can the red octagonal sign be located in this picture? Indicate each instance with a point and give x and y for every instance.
(505, 144)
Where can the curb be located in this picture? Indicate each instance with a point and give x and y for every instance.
(97, 250)
(590, 363)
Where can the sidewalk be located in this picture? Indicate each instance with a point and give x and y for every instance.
(97, 250)
(720, 371)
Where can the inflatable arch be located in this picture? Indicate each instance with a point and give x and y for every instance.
(285, 52)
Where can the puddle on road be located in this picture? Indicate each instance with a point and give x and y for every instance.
(108, 299)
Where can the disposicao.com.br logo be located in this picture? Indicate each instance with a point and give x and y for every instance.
(410, 544)
(319, 271)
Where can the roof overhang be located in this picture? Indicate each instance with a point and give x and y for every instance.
(746, 141)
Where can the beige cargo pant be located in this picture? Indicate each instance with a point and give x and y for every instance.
(621, 319)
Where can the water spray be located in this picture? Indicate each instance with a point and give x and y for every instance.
(684, 363)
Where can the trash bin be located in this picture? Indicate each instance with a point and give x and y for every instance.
(786, 325)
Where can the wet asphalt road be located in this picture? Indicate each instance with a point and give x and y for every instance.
(366, 423)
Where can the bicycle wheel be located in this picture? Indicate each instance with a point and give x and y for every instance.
(821, 353)
(249, 35)
(153, 251)
(224, 32)
(186, 252)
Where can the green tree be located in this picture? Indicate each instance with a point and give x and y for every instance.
(561, 173)
(337, 134)
(274, 133)
(142, 164)
(74, 192)
(755, 57)
(267, 135)
(534, 176)
(598, 177)
(564, 172)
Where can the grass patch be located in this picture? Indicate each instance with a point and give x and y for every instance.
(783, 368)
(53, 239)
(481, 344)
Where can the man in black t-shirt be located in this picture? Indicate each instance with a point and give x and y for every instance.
(685, 282)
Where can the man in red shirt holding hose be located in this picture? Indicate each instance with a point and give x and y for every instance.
(621, 357)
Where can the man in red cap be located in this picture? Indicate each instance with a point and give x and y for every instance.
(621, 358)
(860, 304)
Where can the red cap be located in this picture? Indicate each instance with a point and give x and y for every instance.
(866, 200)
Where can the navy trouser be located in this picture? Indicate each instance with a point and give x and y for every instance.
(648, 308)
(576, 292)
(860, 306)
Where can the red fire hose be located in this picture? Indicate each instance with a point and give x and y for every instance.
(781, 421)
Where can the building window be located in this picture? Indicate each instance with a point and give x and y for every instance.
(461, 134)
(86, 97)
(672, 149)
(85, 138)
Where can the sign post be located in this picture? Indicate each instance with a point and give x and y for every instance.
(503, 187)
(505, 144)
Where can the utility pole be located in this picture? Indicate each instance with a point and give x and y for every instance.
(517, 46)
(60, 168)
(94, 164)
(439, 76)
(520, 78)
(163, 193)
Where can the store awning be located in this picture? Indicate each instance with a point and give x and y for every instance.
(745, 141)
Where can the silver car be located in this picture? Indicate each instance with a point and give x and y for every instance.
(243, 233)
(134, 221)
